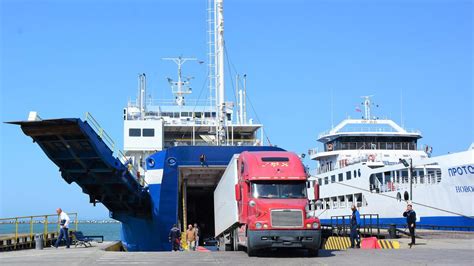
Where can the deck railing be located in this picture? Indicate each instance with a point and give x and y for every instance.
(111, 144)
(13, 237)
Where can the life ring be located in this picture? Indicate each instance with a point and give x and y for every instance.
(371, 157)
(330, 147)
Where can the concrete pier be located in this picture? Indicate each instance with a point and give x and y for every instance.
(427, 251)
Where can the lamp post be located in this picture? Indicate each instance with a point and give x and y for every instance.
(410, 166)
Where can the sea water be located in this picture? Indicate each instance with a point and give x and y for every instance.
(110, 231)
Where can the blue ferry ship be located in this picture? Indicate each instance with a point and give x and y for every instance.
(174, 152)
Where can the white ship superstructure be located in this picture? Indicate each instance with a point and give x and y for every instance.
(151, 126)
(377, 166)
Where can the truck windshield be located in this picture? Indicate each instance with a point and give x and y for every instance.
(279, 190)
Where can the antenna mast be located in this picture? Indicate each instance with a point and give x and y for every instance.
(180, 87)
(219, 60)
(142, 95)
(367, 107)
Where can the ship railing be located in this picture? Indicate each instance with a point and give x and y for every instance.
(116, 151)
(356, 130)
(433, 227)
(369, 224)
(19, 232)
(160, 102)
(197, 142)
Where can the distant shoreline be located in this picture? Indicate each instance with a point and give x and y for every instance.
(72, 222)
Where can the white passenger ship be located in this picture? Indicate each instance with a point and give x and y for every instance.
(377, 166)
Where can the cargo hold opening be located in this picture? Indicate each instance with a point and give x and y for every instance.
(196, 197)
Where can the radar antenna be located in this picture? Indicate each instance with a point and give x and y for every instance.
(180, 87)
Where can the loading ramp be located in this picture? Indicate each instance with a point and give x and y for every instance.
(80, 151)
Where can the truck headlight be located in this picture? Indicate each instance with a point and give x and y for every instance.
(315, 225)
(258, 225)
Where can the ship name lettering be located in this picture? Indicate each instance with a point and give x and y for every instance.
(461, 170)
(464, 189)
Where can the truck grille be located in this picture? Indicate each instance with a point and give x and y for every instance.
(287, 218)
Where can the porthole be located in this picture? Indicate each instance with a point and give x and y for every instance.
(151, 163)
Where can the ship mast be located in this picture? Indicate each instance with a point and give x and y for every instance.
(219, 78)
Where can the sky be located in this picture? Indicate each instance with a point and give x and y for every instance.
(307, 63)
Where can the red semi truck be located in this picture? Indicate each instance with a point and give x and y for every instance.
(261, 202)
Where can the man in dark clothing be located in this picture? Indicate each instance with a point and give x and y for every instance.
(411, 222)
(175, 237)
(355, 226)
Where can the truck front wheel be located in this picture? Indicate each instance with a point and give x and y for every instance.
(251, 252)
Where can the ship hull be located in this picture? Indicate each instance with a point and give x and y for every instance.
(151, 234)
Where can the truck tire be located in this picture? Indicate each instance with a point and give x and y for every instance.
(251, 252)
(235, 239)
(313, 252)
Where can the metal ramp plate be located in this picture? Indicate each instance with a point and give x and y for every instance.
(83, 157)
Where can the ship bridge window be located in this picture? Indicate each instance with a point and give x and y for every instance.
(185, 114)
(388, 177)
(207, 114)
(320, 181)
(333, 178)
(340, 177)
(348, 175)
(358, 199)
(342, 201)
(326, 180)
(404, 176)
(349, 200)
(229, 117)
(379, 177)
(198, 114)
(334, 202)
(148, 132)
(134, 132)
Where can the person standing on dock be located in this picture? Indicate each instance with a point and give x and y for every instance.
(64, 222)
(175, 237)
(411, 222)
(191, 237)
(355, 226)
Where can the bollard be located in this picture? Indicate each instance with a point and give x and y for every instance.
(39, 241)
(392, 231)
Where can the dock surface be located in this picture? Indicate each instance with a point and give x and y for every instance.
(432, 251)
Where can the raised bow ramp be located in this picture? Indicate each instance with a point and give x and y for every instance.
(83, 156)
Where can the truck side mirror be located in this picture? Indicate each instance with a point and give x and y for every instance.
(237, 192)
(316, 191)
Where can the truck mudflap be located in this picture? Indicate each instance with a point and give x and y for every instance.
(309, 239)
